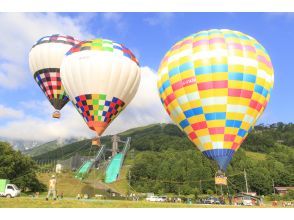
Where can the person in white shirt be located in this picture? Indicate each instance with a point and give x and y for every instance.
(52, 188)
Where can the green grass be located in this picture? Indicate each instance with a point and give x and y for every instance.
(29, 202)
(66, 183)
(255, 155)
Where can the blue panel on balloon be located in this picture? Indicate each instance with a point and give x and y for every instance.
(221, 156)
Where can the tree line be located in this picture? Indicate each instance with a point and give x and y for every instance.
(167, 162)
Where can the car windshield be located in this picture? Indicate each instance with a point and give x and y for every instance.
(15, 187)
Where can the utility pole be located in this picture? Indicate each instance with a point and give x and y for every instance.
(245, 176)
(273, 186)
(129, 183)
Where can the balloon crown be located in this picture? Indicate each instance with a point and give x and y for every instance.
(104, 45)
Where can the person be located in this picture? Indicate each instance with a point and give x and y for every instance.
(230, 199)
(52, 188)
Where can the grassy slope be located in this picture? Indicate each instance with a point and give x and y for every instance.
(255, 155)
(66, 183)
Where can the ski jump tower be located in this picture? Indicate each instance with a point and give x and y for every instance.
(114, 167)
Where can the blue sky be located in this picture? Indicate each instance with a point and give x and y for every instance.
(149, 36)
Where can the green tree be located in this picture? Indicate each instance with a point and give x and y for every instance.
(19, 169)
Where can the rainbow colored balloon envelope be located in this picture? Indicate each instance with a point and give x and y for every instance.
(214, 85)
(101, 77)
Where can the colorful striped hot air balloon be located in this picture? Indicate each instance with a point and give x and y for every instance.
(45, 59)
(101, 77)
(215, 84)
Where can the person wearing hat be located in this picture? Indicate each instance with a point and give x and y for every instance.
(52, 188)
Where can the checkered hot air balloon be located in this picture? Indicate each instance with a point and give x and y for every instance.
(45, 60)
(214, 85)
(101, 77)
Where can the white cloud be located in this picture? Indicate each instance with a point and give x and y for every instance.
(144, 109)
(38, 125)
(44, 128)
(19, 31)
(6, 112)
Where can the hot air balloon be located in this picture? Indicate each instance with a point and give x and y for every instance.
(45, 60)
(101, 77)
(214, 85)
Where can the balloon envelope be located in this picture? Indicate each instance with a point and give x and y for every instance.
(45, 59)
(214, 85)
(101, 77)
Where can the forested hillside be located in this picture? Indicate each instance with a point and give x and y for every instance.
(166, 161)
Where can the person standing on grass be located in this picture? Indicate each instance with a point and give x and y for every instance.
(52, 188)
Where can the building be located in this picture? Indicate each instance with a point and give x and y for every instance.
(283, 190)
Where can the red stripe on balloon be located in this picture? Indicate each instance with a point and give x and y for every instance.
(265, 61)
(235, 146)
(256, 105)
(216, 130)
(185, 82)
(216, 40)
(188, 41)
(192, 135)
(213, 85)
(230, 137)
(169, 99)
(200, 42)
(240, 93)
(199, 125)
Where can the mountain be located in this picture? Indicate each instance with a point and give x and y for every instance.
(22, 145)
(50, 146)
(161, 137)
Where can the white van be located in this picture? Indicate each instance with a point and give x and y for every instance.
(8, 190)
(156, 199)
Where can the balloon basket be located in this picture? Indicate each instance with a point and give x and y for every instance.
(220, 179)
(56, 114)
(96, 142)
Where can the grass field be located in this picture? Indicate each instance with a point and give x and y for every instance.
(29, 202)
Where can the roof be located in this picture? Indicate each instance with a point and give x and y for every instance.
(284, 188)
(243, 195)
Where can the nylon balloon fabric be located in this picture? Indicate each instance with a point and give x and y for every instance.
(214, 85)
(101, 77)
(45, 60)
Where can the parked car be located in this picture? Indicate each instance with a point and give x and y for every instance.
(152, 199)
(162, 199)
(156, 199)
(8, 190)
(211, 200)
(246, 200)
